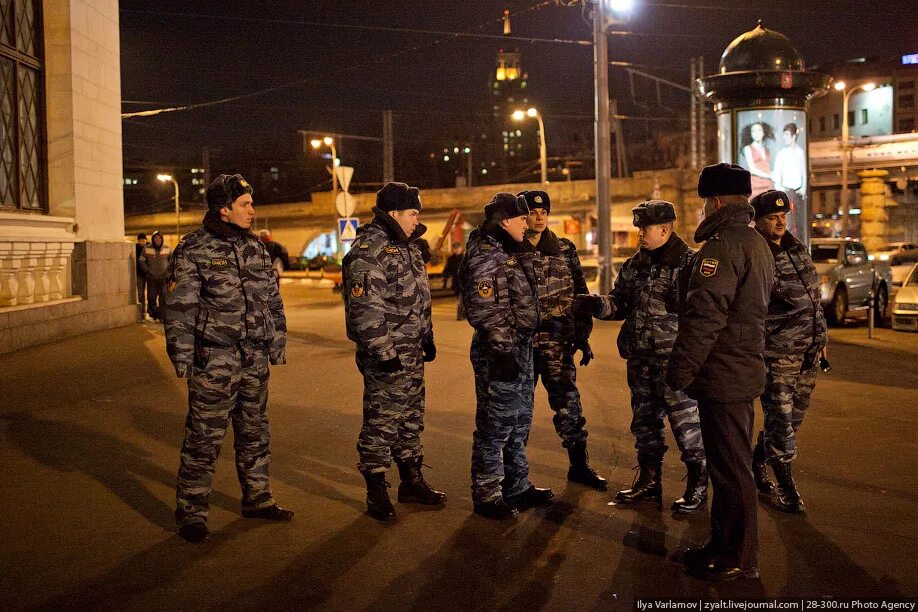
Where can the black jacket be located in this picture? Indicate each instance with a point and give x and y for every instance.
(718, 355)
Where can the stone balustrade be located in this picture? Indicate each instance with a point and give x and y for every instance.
(35, 253)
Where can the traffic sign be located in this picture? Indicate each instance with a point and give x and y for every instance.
(344, 174)
(347, 228)
(345, 204)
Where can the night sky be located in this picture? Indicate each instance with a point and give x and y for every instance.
(342, 78)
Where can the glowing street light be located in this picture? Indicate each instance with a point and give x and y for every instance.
(330, 143)
(165, 178)
(842, 87)
(519, 115)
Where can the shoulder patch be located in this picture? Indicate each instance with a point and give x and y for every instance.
(364, 246)
(486, 247)
(218, 263)
(357, 289)
(392, 250)
(486, 289)
(708, 266)
(511, 261)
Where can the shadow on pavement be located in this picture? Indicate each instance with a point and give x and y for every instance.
(486, 565)
(875, 366)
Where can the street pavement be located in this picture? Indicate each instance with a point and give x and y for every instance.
(90, 429)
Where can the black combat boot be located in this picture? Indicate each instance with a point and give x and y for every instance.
(196, 532)
(759, 470)
(378, 504)
(648, 484)
(498, 509)
(271, 513)
(580, 470)
(413, 489)
(695, 497)
(786, 497)
(530, 498)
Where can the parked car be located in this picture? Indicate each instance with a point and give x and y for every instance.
(590, 265)
(847, 278)
(905, 306)
(897, 253)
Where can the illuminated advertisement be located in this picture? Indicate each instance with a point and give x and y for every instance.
(771, 144)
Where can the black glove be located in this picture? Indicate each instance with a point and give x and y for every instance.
(587, 353)
(430, 350)
(585, 304)
(504, 367)
(390, 366)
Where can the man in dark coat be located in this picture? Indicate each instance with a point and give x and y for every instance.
(795, 338)
(387, 311)
(501, 302)
(718, 360)
(560, 335)
(224, 324)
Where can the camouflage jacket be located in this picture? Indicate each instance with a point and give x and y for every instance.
(795, 322)
(558, 276)
(221, 292)
(386, 293)
(646, 297)
(498, 288)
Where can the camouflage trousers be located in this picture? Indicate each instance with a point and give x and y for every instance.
(651, 400)
(789, 384)
(503, 417)
(227, 383)
(553, 363)
(393, 411)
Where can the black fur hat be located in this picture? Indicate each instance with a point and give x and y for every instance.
(225, 190)
(653, 212)
(770, 201)
(398, 196)
(536, 199)
(724, 179)
(505, 206)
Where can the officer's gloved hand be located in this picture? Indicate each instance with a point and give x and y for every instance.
(585, 304)
(504, 367)
(586, 352)
(390, 366)
(430, 350)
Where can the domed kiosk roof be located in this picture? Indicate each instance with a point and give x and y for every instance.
(760, 49)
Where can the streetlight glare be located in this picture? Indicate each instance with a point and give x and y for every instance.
(164, 177)
(316, 143)
(328, 140)
(869, 86)
(620, 6)
(518, 115)
(531, 112)
(840, 85)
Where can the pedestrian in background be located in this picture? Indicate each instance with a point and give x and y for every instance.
(388, 316)
(156, 255)
(795, 339)
(451, 275)
(224, 324)
(718, 360)
(646, 298)
(280, 259)
(140, 274)
(501, 303)
(561, 333)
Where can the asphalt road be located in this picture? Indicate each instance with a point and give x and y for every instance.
(91, 428)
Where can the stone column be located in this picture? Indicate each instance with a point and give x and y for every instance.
(874, 218)
(9, 274)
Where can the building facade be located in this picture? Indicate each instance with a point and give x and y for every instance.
(65, 268)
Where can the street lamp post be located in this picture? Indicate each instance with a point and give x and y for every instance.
(329, 142)
(533, 113)
(167, 178)
(846, 94)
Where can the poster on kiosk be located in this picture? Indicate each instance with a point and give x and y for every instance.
(771, 144)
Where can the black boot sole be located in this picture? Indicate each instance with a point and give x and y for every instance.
(409, 499)
(589, 482)
(688, 512)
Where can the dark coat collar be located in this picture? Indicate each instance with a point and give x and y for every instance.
(393, 229)
(220, 228)
(548, 243)
(670, 254)
(731, 214)
(789, 243)
(499, 235)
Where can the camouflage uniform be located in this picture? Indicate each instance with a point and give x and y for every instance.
(795, 334)
(646, 297)
(387, 309)
(224, 323)
(558, 277)
(502, 305)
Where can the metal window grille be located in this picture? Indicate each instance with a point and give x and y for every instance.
(22, 120)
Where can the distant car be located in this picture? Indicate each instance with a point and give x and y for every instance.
(848, 278)
(897, 253)
(905, 306)
(590, 267)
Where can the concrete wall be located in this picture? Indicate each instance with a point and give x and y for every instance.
(85, 224)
